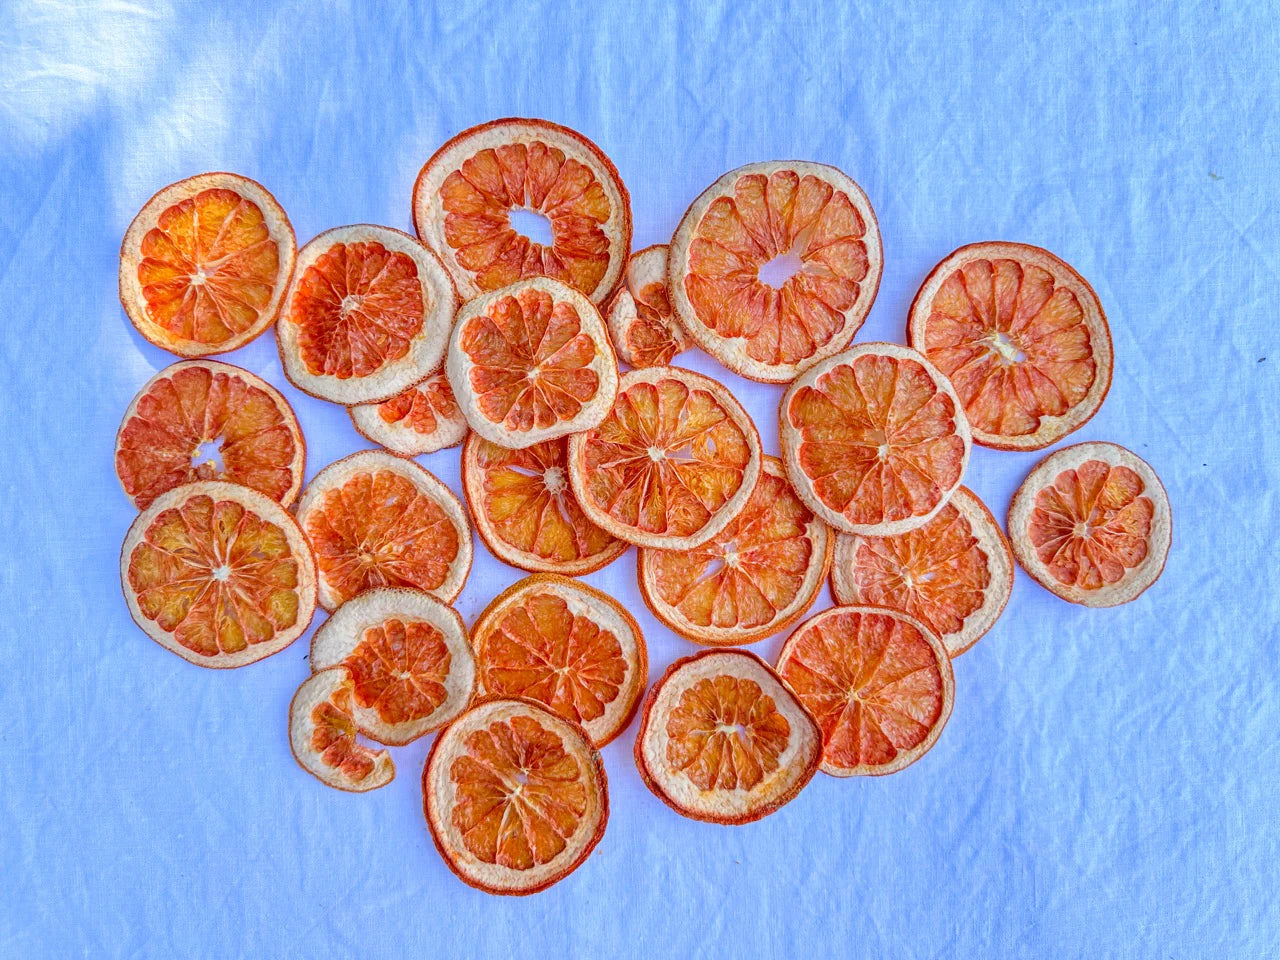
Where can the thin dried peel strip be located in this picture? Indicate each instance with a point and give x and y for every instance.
(642, 324)
(422, 419)
(323, 735)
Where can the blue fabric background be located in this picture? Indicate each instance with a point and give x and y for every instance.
(1107, 785)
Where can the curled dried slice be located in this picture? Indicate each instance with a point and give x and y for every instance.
(644, 328)
(422, 419)
(322, 734)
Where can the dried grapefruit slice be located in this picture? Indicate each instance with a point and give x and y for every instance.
(377, 520)
(874, 440)
(322, 734)
(515, 796)
(643, 326)
(531, 362)
(879, 682)
(755, 577)
(465, 195)
(954, 574)
(775, 266)
(671, 465)
(1022, 337)
(722, 739)
(219, 574)
(409, 658)
(205, 264)
(368, 315)
(1092, 524)
(567, 646)
(423, 419)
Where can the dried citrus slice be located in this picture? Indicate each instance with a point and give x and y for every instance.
(409, 658)
(722, 739)
(219, 574)
(775, 266)
(755, 577)
(515, 796)
(377, 520)
(567, 646)
(874, 440)
(322, 734)
(466, 193)
(1092, 524)
(1022, 337)
(643, 326)
(368, 315)
(531, 362)
(879, 682)
(954, 574)
(671, 465)
(423, 419)
(205, 264)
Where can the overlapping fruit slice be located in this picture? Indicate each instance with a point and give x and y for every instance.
(567, 646)
(671, 465)
(644, 328)
(722, 739)
(515, 796)
(368, 315)
(879, 683)
(322, 734)
(874, 440)
(466, 193)
(1023, 338)
(422, 419)
(755, 577)
(377, 520)
(204, 265)
(954, 574)
(1092, 524)
(219, 574)
(775, 266)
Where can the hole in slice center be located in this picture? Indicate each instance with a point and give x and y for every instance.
(531, 225)
(780, 269)
(210, 452)
(1007, 348)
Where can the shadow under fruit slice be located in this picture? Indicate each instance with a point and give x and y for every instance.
(322, 735)
(515, 796)
(644, 329)
(422, 419)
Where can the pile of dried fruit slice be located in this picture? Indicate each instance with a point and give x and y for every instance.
(423, 419)
(322, 734)
(643, 326)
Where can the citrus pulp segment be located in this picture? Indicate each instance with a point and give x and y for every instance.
(644, 328)
(422, 419)
(322, 735)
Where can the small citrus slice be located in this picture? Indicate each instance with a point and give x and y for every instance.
(205, 264)
(567, 646)
(218, 574)
(422, 419)
(643, 326)
(1092, 524)
(874, 439)
(722, 739)
(515, 796)
(879, 683)
(671, 465)
(954, 574)
(377, 520)
(322, 734)
(466, 193)
(775, 266)
(368, 315)
(755, 577)
(1022, 337)
(409, 659)
(531, 362)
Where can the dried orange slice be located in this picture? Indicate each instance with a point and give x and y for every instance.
(219, 574)
(322, 734)
(377, 520)
(1092, 524)
(722, 739)
(755, 577)
(368, 315)
(954, 574)
(531, 362)
(874, 440)
(671, 465)
(567, 646)
(423, 419)
(879, 682)
(515, 796)
(205, 420)
(775, 266)
(205, 264)
(643, 326)
(409, 658)
(466, 193)
(1022, 337)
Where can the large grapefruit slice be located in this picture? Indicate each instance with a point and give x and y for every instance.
(422, 419)
(322, 734)
(643, 326)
